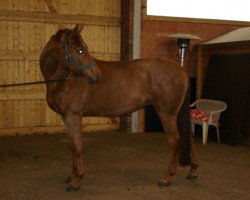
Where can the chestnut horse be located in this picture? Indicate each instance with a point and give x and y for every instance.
(101, 88)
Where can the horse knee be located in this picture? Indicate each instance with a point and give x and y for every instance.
(76, 144)
(77, 150)
(173, 137)
(173, 142)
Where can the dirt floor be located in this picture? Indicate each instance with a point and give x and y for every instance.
(120, 166)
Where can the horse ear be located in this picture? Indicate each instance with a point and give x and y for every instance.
(58, 36)
(78, 28)
(61, 35)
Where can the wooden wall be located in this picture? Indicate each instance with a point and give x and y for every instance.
(25, 27)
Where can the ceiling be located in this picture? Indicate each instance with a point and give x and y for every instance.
(241, 34)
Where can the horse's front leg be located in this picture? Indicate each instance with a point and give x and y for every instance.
(73, 124)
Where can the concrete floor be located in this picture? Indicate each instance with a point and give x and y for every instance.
(120, 166)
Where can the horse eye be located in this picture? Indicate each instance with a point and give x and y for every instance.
(80, 51)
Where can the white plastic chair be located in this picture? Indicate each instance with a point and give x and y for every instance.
(209, 113)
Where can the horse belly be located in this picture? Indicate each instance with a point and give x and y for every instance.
(117, 104)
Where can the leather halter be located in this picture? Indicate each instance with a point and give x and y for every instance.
(69, 59)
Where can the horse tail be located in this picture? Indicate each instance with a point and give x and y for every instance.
(184, 128)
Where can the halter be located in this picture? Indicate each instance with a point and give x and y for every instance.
(74, 62)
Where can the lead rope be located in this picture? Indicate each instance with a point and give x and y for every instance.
(38, 82)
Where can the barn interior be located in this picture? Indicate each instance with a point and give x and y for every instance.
(218, 65)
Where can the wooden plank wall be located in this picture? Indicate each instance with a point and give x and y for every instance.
(25, 27)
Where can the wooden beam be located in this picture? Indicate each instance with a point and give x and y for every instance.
(34, 55)
(53, 10)
(19, 55)
(55, 18)
(50, 6)
(20, 95)
(56, 129)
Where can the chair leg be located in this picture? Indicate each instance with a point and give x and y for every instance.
(204, 132)
(218, 133)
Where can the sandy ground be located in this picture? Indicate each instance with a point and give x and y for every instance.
(120, 166)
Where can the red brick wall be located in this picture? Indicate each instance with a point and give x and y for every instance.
(127, 25)
(155, 43)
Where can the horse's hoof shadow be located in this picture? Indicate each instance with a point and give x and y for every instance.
(163, 183)
(72, 188)
(191, 177)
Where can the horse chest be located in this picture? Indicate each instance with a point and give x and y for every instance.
(52, 103)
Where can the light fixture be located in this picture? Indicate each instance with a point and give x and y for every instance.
(183, 42)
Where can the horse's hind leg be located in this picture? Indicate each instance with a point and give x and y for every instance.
(193, 174)
(169, 123)
(73, 126)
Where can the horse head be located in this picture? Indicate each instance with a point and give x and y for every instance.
(76, 57)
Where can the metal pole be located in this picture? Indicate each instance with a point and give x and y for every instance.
(136, 51)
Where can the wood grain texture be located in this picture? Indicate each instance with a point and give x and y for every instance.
(25, 27)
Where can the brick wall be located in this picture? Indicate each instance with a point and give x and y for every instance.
(127, 14)
(155, 43)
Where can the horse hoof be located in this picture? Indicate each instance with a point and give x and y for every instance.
(72, 188)
(191, 177)
(68, 180)
(163, 183)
